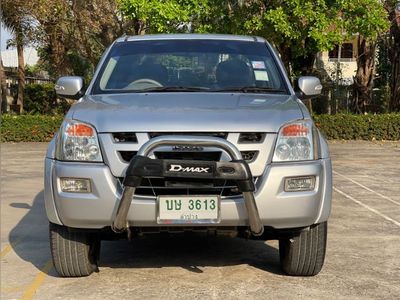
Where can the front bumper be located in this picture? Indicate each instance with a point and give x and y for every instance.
(277, 208)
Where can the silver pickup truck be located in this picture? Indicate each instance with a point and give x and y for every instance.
(188, 133)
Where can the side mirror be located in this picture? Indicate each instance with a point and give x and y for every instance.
(70, 87)
(309, 87)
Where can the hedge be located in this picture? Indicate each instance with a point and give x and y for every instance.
(41, 99)
(360, 127)
(29, 128)
(41, 128)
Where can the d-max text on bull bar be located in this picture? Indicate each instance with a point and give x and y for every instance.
(188, 133)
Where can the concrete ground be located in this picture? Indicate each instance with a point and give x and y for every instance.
(362, 259)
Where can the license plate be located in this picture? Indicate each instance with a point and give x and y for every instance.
(188, 209)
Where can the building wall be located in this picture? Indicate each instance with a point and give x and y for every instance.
(348, 66)
(10, 57)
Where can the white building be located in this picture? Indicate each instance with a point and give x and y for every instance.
(10, 57)
(328, 62)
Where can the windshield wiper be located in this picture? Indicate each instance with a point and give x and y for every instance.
(175, 89)
(250, 89)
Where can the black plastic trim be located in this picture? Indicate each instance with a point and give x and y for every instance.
(141, 166)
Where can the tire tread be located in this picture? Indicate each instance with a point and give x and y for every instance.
(304, 255)
(72, 251)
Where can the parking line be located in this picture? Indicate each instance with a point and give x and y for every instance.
(367, 188)
(32, 288)
(5, 250)
(8, 247)
(367, 207)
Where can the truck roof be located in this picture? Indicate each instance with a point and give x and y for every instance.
(191, 36)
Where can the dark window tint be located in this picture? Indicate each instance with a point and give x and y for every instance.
(346, 51)
(198, 64)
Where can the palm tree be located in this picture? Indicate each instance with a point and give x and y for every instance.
(14, 15)
(3, 105)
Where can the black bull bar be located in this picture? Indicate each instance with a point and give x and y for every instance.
(141, 166)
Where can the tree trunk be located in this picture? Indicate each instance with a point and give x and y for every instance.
(363, 81)
(394, 56)
(21, 72)
(286, 56)
(304, 65)
(395, 84)
(58, 51)
(3, 105)
(140, 27)
(78, 7)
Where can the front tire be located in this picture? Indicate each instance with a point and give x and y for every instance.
(304, 255)
(74, 253)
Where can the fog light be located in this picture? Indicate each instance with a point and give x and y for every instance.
(75, 185)
(296, 184)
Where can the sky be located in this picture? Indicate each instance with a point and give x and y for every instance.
(4, 37)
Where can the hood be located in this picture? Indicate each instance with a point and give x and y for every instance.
(191, 112)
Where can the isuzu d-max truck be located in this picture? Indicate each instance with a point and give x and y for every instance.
(187, 133)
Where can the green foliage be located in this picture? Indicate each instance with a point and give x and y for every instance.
(42, 99)
(157, 16)
(80, 65)
(33, 71)
(368, 18)
(359, 127)
(298, 21)
(28, 128)
(298, 28)
(39, 98)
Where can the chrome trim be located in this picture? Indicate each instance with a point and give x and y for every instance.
(204, 141)
(120, 222)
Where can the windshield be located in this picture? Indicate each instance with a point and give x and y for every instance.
(189, 65)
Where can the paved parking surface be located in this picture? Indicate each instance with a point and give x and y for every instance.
(362, 259)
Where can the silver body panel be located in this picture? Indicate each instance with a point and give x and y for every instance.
(277, 208)
(190, 112)
(232, 113)
(310, 86)
(69, 86)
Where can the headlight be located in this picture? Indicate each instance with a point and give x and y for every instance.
(78, 141)
(295, 142)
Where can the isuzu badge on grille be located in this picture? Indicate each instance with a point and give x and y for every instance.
(187, 148)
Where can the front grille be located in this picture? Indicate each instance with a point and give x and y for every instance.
(182, 186)
(251, 137)
(121, 147)
(125, 137)
(127, 155)
(244, 137)
(222, 135)
(186, 186)
(248, 156)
